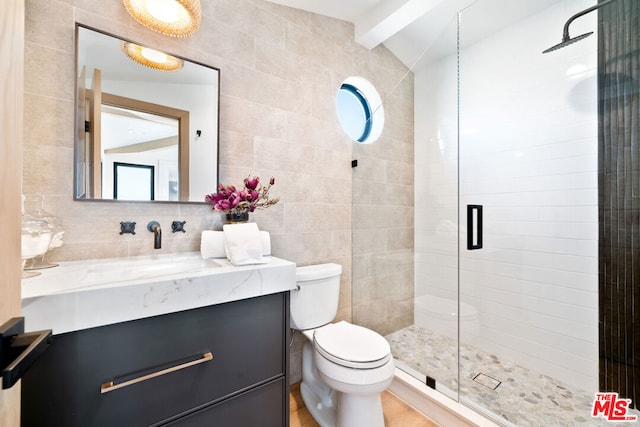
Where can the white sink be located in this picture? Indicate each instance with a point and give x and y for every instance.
(142, 268)
(76, 276)
(84, 294)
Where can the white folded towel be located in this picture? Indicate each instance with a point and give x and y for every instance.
(212, 244)
(243, 244)
(266, 243)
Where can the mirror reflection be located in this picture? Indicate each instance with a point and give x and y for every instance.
(164, 123)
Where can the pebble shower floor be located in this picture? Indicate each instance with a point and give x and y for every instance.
(521, 397)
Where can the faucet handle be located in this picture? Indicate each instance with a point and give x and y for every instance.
(127, 227)
(177, 226)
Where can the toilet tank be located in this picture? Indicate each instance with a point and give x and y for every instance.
(315, 302)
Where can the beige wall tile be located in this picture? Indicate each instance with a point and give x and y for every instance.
(48, 120)
(280, 70)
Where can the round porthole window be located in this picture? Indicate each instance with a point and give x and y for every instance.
(360, 110)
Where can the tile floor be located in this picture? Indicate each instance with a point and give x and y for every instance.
(516, 395)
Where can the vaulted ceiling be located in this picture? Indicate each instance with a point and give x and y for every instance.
(419, 31)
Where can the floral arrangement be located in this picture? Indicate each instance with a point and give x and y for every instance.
(230, 200)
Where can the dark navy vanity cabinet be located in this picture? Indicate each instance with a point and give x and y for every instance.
(221, 365)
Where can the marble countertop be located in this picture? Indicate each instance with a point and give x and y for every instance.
(84, 294)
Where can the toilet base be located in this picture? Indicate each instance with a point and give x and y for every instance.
(323, 412)
(353, 410)
(318, 397)
(356, 410)
(330, 407)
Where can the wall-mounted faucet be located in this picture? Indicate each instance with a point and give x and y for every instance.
(154, 227)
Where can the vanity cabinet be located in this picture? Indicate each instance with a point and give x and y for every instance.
(222, 365)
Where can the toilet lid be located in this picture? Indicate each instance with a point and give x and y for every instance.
(352, 346)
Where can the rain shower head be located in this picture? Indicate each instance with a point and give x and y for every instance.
(566, 39)
(567, 42)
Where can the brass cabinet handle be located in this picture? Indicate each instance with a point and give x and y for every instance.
(111, 385)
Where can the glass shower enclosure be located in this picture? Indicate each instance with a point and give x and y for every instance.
(509, 186)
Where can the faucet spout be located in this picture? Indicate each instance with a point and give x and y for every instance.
(154, 227)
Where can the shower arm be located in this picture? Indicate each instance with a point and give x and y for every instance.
(565, 33)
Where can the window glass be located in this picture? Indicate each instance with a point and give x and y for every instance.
(360, 110)
(354, 113)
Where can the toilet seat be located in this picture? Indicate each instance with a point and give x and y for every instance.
(351, 346)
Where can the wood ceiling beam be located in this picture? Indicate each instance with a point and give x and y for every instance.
(388, 18)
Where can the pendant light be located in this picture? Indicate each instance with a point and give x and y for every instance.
(151, 58)
(175, 18)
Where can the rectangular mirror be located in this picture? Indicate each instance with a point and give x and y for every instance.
(131, 111)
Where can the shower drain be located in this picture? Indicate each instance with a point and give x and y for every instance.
(487, 381)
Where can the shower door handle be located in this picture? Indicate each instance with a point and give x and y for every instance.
(474, 228)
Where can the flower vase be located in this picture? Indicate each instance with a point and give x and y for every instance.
(236, 218)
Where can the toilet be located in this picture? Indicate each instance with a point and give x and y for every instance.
(345, 367)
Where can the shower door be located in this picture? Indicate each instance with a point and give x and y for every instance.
(428, 348)
(528, 208)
